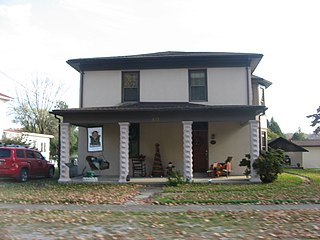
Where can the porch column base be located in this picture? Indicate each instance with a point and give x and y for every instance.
(124, 151)
(254, 148)
(187, 151)
(64, 152)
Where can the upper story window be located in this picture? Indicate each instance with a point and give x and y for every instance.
(130, 86)
(198, 85)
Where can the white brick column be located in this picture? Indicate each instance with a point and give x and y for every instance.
(187, 151)
(124, 151)
(64, 152)
(254, 147)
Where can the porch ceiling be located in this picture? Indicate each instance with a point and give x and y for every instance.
(159, 112)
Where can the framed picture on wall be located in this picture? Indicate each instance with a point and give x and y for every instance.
(95, 139)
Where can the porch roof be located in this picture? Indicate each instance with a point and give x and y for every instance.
(158, 112)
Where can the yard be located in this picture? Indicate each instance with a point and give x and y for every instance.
(249, 224)
(287, 188)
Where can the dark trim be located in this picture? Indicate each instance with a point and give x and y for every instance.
(81, 88)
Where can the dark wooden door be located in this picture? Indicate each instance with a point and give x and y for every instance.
(200, 151)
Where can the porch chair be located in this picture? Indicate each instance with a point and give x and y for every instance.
(138, 167)
(227, 166)
(97, 163)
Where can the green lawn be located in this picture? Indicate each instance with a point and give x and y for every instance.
(313, 174)
(286, 189)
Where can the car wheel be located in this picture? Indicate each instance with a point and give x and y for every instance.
(23, 175)
(50, 173)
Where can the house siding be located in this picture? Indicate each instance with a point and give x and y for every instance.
(311, 159)
(233, 81)
(103, 88)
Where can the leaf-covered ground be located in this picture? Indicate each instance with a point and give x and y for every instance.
(50, 192)
(57, 224)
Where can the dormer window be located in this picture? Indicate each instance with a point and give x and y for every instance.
(130, 86)
(198, 85)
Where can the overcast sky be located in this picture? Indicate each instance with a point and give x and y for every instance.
(39, 36)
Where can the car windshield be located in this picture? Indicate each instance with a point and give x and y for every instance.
(5, 153)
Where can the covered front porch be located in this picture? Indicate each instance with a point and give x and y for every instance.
(177, 127)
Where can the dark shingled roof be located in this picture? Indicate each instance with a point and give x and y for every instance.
(285, 145)
(166, 60)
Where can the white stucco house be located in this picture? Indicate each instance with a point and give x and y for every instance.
(3, 108)
(34, 140)
(201, 107)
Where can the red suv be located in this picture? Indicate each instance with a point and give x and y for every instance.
(21, 163)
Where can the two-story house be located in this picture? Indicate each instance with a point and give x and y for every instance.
(199, 106)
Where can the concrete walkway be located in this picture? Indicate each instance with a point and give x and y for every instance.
(160, 208)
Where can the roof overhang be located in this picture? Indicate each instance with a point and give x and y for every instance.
(167, 60)
(159, 112)
(261, 81)
(285, 145)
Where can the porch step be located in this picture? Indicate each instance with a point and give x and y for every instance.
(200, 175)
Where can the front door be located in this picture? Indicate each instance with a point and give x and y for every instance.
(200, 150)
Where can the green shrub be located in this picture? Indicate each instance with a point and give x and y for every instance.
(175, 178)
(269, 164)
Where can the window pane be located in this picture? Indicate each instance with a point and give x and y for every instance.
(130, 80)
(197, 74)
(198, 82)
(30, 154)
(198, 93)
(20, 153)
(5, 153)
(130, 94)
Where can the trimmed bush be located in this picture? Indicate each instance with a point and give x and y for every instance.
(269, 164)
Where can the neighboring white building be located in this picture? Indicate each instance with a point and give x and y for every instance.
(3, 111)
(199, 106)
(310, 159)
(35, 140)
